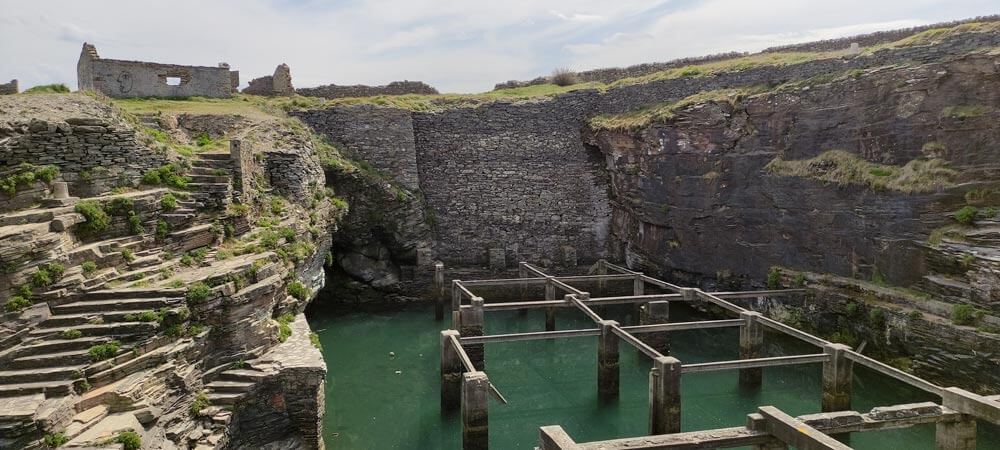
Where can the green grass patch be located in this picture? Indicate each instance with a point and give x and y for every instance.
(642, 118)
(200, 402)
(71, 333)
(845, 168)
(96, 219)
(965, 111)
(965, 315)
(298, 290)
(130, 440)
(107, 350)
(966, 215)
(55, 88)
(16, 303)
(198, 293)
(26, 173)
(285, 327)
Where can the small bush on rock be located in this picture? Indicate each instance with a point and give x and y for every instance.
(774, 278)
(298, 290)
(130, 440)
(198, 293)
(53, 440)
(97, 220)
(16, 303)
(168, 202)
(107, 350)
(966, 215)
(71, 333)
(965, 315)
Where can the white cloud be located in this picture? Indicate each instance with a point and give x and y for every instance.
(455, 45)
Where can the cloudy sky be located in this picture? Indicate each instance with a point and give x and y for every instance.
(455, 45)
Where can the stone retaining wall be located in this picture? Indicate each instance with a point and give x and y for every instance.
(294, 174)
(9, 88)
(395, 88)
(116, 78)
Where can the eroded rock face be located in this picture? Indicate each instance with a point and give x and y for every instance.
(692, 193)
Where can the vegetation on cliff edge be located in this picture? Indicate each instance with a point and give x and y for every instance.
(641, 118)
(845, 168)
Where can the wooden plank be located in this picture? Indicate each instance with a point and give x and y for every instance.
(796, 433)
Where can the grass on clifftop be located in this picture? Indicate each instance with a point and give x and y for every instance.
(844, 168)
(937, 35)
(665, 111)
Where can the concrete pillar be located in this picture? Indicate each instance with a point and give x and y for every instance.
(472, 325)
(837, 377)
(550, 313)
(438, 291)
(602, 285)
(751, 347)
(451, 372)
(960, 435)
(638, 288)
(523, 273)
(60, 190)
(665, 396)
(475, 411)
(756, 422)
(652, 313)
(456, 296)
(607, 362)
(554, 438)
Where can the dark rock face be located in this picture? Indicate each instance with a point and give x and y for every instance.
(692, 193)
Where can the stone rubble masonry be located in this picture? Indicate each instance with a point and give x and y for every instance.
(9, 88)
(278, 84)
(519, 176)
(92, 154)
(247, 172)
(332, 91)
(295, 174)
(124, 79)
(611, 74)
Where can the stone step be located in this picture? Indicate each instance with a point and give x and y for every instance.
(102, 306)
(49, 388)
(211, 171)
(208, 187)
(224, 398)
(53, 373)
(51, 359)
(65, 320)
(209, 179)
(944, 286)
(58, 345)
(110, 294)
(213, 156)
(144, 261)
(229, 386)
(243, 375)
(114, 329)
(211, 163)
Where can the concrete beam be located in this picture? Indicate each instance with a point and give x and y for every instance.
(665, 396)
(607, 361)
(796, 433)
(475, 411)
(742, 364)
(555, 438)
(965, 402)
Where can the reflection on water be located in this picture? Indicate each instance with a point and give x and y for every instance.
(378, 401)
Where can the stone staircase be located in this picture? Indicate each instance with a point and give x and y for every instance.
(211, 180)
(231, 385)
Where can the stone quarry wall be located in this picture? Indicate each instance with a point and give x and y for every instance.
(515, 180)
(295, 173)
(94, 155)
(124, 79)
(9, 88)
(395, 88)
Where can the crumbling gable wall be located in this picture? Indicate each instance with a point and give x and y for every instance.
(278, 84)
(123, 79)
(8, 88)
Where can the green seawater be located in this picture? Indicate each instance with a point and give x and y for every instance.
(374, 401)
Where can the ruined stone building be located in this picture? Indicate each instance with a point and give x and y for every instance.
(8, 88)
(278, 84)
(117, 78)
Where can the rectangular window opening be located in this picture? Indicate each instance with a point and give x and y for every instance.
(173, 81)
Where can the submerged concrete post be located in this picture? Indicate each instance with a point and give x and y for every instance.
(451, 372)
(602, 284)
(438, 291)
(607, 362)
(665, 396)
(475, 411)
(523, 273)
(550, 312)
(961, 434)
(837, 377)
(456, 296)
(638, 288)
(652, 313)
(751, 347)
(472, 325)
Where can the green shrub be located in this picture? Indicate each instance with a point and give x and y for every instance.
(284, 326)
(170, 174)
(97, 220)
(277, 205)
(128, 255)
(41, 278)
(851, 308)
(53, 440)
(107, 350)
(120, 206)
(195, 329)
(774, 278)
(26, 291)
(966, 215)
(877, 277)
(168, 202)
(162, 229)
(287, 233)
(198, 292)
(16, 303)
(54, 88)
(71, 333)
(200, 402)
(187, 260)
(314, 340)
(914, 315)
(27, 173)
(56, 270)
(965, 315)
(145, 316)
(298, 290)
(203, 140)
(130, 440)
(47, 173)
(135, 223)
